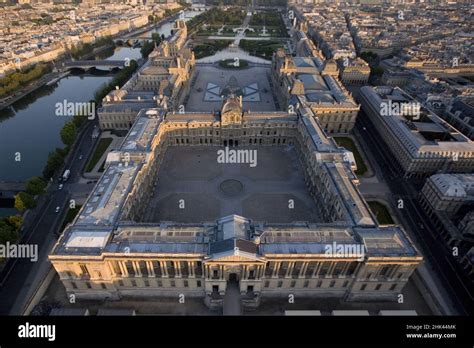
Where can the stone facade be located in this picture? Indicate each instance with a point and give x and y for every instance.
(422, 144)
(307, 81)
(107, 253)
(162, 81)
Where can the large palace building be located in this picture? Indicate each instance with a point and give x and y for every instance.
(125, 244)
(107, 252)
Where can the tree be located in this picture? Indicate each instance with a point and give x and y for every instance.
(7, 233)
(24, 201)
(68, 133)
(15, 221)
(35, 186)
(147, 48)
(79, 120)
(55, 161)
(156, 37)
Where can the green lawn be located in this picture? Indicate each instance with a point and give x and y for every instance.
(381, 213)
(262, 49)
(348, 143)
(99, 151)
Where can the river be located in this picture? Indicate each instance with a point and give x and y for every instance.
(165, 29)
(29, 129)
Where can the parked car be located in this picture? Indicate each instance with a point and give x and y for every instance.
(57, 209)
(61, 186)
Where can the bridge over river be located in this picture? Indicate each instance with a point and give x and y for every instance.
(89, 64)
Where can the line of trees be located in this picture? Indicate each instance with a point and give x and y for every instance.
(10, 225)
(17, 80)
(149, 46)
(9, 229)
(118, 80)
(86, 48)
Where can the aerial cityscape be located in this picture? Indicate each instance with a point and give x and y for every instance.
(247, 158)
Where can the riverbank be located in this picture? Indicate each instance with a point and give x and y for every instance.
(23, 92)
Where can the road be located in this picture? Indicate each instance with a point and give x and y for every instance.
(15, 278)
(414, 218)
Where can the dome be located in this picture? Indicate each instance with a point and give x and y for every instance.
(231, 104)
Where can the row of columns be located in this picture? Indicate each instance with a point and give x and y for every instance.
(258, 269)
(246, 269)
(304, 268)
(151, 271)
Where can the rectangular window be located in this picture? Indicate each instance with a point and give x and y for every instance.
(339, 268)
(352, 268)
(362, 288)
(297, 269)
(130, 269)
(283, 269)
(120, 282)
(310, 269)
(280, 284)
(198, 269)
(156, 268)
(84, 270)
(292, 284)
(198, 283)
(324, 268)
(269, 269)
(147, 283)
(186, 284)
(143, 268)
(89, 286)
(332, 283)
(378, 286)
(344, 285)
(267, 283)
(184, 269)
(134, 283)
(102, 285)
(306, 283)
(73, 284)
(159, 283)
(319, 284)
(384, 271)
(116, 268)
(173, 284)
(393, 287)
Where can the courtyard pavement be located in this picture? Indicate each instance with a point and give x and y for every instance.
(193, 174)
(208, 74)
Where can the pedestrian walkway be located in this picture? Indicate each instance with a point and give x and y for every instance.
(232, 303)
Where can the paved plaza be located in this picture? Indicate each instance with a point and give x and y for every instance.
(210, 190)
(211, 82)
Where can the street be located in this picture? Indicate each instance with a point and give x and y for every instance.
(44, 228)
(433, 247)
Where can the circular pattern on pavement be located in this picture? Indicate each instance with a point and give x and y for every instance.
(231, 187)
